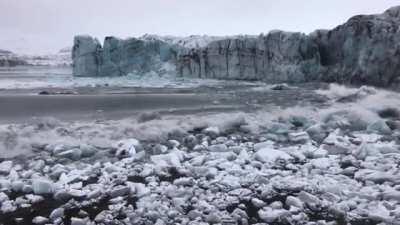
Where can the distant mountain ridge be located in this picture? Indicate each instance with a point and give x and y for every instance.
(5, 52)
(9, 59)
(62, 58)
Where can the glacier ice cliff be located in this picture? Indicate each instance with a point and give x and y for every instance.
(118, 57)
(364, 50)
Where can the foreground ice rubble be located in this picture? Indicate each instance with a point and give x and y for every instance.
(293, 171)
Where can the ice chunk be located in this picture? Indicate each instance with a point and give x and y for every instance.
(377, 176)
(319, 153)
(73, 154)
(212, 131)
(308, 198)
(258, 203)
(42, 186)
(172, 159)
(271, 215)
(5, 167)
(379, 213)
(127, 147)
(5, 184)
(336, 144)
(34, 198)
(218, 148)
(379, 127)
(317, 132)
(94, 194)
(40, 220)
(321, 163)
(265, 144)
(87, 150)
(392, 195)
(293, 201)
(17, 186)
(353, 120)
(300, 137)
(72, 176)
(58, 148)
(374, 149)
(119, 191)
(174, 143)
(7, 206)
(141, 189)
(78, 221)
(184, 181)
(3, 197)
(198, 160)
(279, 128)
(269, 155)
(76, 194)
(56, 214)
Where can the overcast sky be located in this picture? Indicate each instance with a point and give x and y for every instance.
(39, 26)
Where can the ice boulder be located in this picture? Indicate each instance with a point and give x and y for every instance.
(270, 215)
(294, 201)
(218, 148)
(40, 220)
(212, 131)
(264, 144)
(5, 167)
(42, 186)
(379, 127)
(73, 154)
(269, 155)
(321, 163)
(317, 132)
(3, 197)
(349, 119)
(78, 221)
(172, 159)
(299, 137)
(127, 147)
(374, 149)
(87, 150)
(56, 214)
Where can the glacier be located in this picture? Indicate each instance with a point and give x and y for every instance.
(361, 51)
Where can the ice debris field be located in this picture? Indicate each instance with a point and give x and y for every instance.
(333, 165)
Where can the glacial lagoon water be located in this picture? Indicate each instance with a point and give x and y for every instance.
(27, 92)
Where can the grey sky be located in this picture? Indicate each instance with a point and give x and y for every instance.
(39, 26)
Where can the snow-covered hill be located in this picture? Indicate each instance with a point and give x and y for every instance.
(8, 58)
(61, 58)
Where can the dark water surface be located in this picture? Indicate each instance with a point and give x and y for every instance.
(18, 104)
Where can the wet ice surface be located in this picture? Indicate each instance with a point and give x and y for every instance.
(276, 155)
